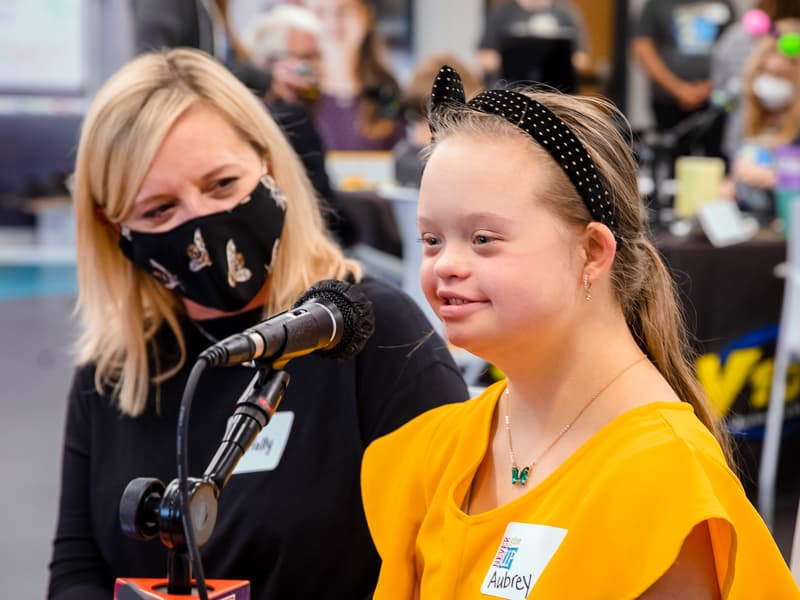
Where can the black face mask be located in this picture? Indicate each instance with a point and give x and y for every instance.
(221, 260)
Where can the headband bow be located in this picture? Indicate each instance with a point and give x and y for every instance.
(542, 125)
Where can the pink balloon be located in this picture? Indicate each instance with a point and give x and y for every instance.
(756, 22)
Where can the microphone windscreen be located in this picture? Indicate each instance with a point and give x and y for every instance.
(356, 310)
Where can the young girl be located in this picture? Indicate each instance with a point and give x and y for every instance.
(596, 469)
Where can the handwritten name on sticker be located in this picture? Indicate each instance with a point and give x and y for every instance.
(265, 453)
(524, 552)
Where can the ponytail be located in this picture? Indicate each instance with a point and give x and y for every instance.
(656, 320)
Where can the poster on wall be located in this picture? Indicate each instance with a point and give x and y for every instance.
(44, 45)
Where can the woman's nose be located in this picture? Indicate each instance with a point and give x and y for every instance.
(194, 205)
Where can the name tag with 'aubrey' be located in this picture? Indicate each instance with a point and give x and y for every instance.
(265, 452)
(523, 554)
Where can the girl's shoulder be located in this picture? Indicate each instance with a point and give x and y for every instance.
(448, 423)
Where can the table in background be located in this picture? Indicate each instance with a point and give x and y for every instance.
(728, 292)
(732, 301)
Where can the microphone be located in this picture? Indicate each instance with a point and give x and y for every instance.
(332, 317)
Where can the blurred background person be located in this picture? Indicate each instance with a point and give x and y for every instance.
(287, 36)
(672, 44)
(195, 220)
(771, 114)
(408, 164)
(206, 25)
(543, 19)
(359, 108)
(730, 54)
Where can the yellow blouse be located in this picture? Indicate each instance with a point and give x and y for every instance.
(607, 523)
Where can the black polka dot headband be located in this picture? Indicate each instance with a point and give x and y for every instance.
(542, 125)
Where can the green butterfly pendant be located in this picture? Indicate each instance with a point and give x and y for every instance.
(519, 477)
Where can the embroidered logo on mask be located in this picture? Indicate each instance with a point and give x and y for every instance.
(198, 255)
(237, 272)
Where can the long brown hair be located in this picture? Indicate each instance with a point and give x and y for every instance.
(379, 104)
(642, 284)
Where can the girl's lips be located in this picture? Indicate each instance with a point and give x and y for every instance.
(454, 307)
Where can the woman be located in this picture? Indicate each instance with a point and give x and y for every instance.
(730, 55)
(771, 112)
(360, 106)
(195, 220)
(596, 469)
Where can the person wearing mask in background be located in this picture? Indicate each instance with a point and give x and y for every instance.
(545, 18)
(360, 105)
(596, 469)
(771, 114)
(730, 55)
(672, 45)
(195, 220)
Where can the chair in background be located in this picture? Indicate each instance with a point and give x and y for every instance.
(787, 351)
(404, 205)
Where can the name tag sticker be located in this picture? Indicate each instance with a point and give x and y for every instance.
(265, 452)
(524, 552)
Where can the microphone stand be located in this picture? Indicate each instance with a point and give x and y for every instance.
(148, 508)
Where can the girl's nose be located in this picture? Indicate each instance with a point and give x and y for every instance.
(450, 261)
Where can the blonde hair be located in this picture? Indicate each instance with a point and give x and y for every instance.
(642, 285)
(756, 117)
(121, 308)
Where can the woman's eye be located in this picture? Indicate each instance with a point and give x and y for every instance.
(157, 211)
(226, 182)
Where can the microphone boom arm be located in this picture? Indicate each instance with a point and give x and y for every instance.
(253, 411)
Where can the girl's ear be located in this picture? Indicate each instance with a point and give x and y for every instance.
(599, 247)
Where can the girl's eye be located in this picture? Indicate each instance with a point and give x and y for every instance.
(428, 240)
(481, 239)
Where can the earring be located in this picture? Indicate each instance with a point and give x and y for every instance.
(587, 286)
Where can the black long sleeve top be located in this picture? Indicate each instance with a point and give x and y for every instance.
(295, 529)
